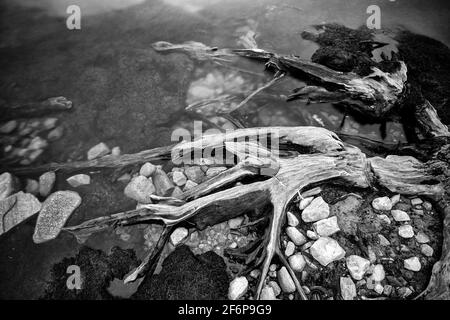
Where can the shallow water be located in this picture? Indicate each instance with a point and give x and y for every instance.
(126, 94)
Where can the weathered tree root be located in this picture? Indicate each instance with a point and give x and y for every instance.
(311, 156)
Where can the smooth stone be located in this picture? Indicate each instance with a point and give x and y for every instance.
(292, 219)
(79, 180)
(179, 178)
(267, 294)
(378, 288)
(178, 235)
(372, 254)
(8, 127)
(384, 218)
(37, 143)
(357, 266)
(177, 193)
(98, 151)
(421, 237)
(147, 169)
(255, 273)
(235, 222)
(383, 241)
(426, 250)
(17, 208)
(238, 288)
(326, 227)
(56, 210)
(317, 210)
(55, 134)
(140, 189)
(297, 262)
(46, 183)
(290, 249)
(395, 199)
(412, 264)
(416, 201)
(378, 273)
(348, 288)
(116, 151)
(195, 174)
(312, 235)
(32, 187)
(285, 280)
(50, 123)
(382, 204)
(400, 215)
(326, 250)
(8, 185)
(276, 288)
(305, 202)
(296, 236)
(189, 185)
(406, 231)
(273, 267)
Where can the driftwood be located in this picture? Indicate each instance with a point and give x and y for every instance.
(36, 109)
(311, 156)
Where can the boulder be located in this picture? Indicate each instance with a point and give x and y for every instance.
(98, 151)
(189, 185)
(421, 237)
(406, 231)
(79, 180)
(317, 210)
(383, 241)
(235, 222)
(357, 266)
(382, 204)
(326, 250)
(179, 178)
(55, 211)
(32, 187)
(140, 189)
(17, 208)
(194, 173)
(267, 294)
(290, 249)
(400, 216)
(8, 185)
(147, 170)
(412, 264)
(326, 227)
(46, 183)
(426, 250)
(296, 236)
(292, 219)
(238, 288)
(378, 273)
(178, 236)
(305, 202)
(285, 280)
(297, 262)
(348, 288)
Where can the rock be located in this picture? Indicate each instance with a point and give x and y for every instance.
(285, 280)
(297, 262)
(37, 143)
(395, 199)
(98, 151)
(273, 267)
(238, 288)
(50, 123)
(404, 292)
(276, 288)
(387, 290)
(383, 241)
(326, 227)
(163, 185)
(55, 134)
(378, 273)
(317, 210)
(179, 178)
(115, 152)
(426, 250)
(140, 189)
(416, 201)
(290, 249)
(428, 206)
(32, 187)
(348, 288)
(305, 202)
(357, 266)
(17, 208)
(296, 236)
(292, 219)
(79, 180)
(412, 264)
(194, 173)
(189, 185)
(178, 235)
(400, 216)
(384, 218)
(8, 185)
(372, 254)
(46, 183)
(214, 171)
(235, 222)
(382, 204)
(307, 245)
(378, 288)
(255, 273)
(326, 250)
(177, 193)
(267, 294)
(406, 231)
(312, 192)
(312, 235)
(55, 211)
(421, 237)
(147, 170)
(8, 127)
